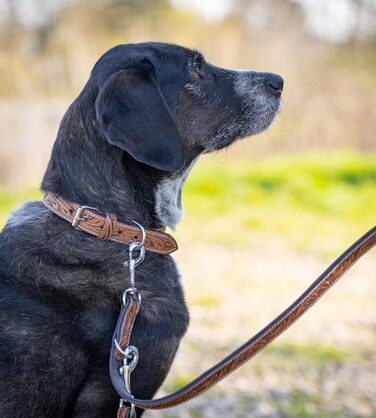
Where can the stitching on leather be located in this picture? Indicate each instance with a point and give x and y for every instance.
(82, 227)
(134, 229)
(164, 237)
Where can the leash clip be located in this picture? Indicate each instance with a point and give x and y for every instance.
(134, 261)
(130, 353)
(130, 361)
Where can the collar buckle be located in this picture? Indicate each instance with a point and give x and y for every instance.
(77, 217)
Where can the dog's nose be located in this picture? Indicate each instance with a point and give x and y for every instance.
(274, 83)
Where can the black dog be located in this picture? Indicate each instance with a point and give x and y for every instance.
(125, 146)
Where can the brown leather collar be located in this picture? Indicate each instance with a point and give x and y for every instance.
(107, 226)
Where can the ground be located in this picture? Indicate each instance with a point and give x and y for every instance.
(324, 366)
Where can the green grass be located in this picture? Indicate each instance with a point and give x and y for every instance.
(314, 202)
(304, 405)
(207, 300)
(9, 200)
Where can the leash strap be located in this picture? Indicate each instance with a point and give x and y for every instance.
(248, 350)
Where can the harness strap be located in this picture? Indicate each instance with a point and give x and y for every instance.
(253, 346)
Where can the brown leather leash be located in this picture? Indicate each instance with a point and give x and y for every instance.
(124, 357)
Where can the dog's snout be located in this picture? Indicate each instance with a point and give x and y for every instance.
(274, 83)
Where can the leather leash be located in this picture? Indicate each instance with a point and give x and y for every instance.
(124, 357)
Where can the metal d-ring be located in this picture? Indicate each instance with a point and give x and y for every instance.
(130, 353)
(136, 245)
(133, 293)
(142, 231)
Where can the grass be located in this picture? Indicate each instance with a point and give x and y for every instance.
(315, 202)
(309, 377)
(312, 353)
(9, 200)
(283, 356)
(303, 405)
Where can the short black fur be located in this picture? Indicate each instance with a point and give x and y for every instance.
(144, 116)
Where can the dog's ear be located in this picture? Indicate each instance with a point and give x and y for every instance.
(133, 115)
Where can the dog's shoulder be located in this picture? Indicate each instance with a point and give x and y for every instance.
(22, 241)
(31, 212)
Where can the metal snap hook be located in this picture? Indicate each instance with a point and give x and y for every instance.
(131, 412)
(132, 263)
(136, 246)
(130, 361)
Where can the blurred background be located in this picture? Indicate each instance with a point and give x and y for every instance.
(297, 195)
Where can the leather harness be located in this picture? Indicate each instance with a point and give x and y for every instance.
(123, 357)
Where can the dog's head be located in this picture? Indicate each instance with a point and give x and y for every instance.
(164, 104)
(147, 112)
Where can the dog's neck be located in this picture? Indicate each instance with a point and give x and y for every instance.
(107, 178)
(168, 197)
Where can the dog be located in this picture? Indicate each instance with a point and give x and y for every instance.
(125, 146)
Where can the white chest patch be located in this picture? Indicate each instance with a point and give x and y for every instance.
(168, 192)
